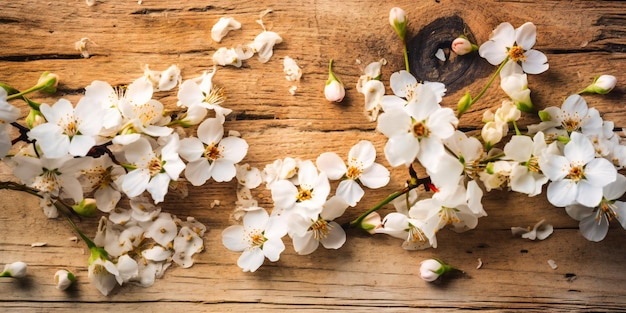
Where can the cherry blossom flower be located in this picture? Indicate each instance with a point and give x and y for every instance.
(308, 233)
(100, 178)
(57, 177)
(417, 130)
(68, 129)
(514, 82)
(102, 272)
(526, 176)
(409, 229)
(374, 92)
(577, 176)
(371, 72)
(573, 115)
(516, 45)
(406, 89)
(200, 92)
(211, 155)
(143, 114)
(360, 168)
(259, 237)
(595, 220)
(309, 192)
(153, 170)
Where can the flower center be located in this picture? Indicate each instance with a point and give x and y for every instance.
(576, 173)
(215, 96)
(212, 152)
(448, 215)
(533, 164)
(320, 229)
(155, 166)
(416, 234)
(420, 130)
(608, 208)
(70, 127)
(146, 113)
(304, 194)
(354, 171)
(516, 53)
(256, 238)
(570, 124)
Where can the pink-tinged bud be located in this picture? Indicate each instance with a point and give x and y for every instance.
(462, 46)
(397, 20)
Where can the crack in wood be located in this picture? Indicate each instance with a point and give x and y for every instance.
(36, 57)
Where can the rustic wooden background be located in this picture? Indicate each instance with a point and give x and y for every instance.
(582, 39)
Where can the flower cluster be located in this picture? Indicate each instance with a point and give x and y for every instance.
(120, 152)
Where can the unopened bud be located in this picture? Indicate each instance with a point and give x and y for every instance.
(431, 269)
(49, 81)
(34, 118)
(86, 207)
(397, 20)
(15, 269)
(63, 279)
(334, 89)
(464, 104)
(462, 46)
(601, 85)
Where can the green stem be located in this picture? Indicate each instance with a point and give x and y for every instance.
(25, 92)
(406, 56)
(517, 132)
(413, 183)
(482, 92)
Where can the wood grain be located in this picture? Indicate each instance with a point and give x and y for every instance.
(582, 39)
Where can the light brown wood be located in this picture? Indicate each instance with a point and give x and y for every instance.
(582, 39)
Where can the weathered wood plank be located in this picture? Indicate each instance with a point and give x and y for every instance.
(581, 38)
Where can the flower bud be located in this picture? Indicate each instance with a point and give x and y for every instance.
(371, 222)
(334, 89)
(34, 118)
(431, 269)
(462, 46)
(464, 104)
(397, 20)
(492, 132)
(49, 81)
(86, 207)
(15, 269)
(63, 279)
(601, 85)
(544, 116)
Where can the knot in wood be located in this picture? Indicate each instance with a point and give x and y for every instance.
(456, 71)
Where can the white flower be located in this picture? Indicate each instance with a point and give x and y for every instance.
(100, 178)
(248, 176)
(200, 92)
(68, 129)
(374, 91)
(577, 176)
(15, 269)
(371, 72)
(309, 192)
(8, 114)
(127, 269)
(264, 44)
(284, 169)
(308, 233)
(102, 272)
(360, 168)
(407, 89)
(55, 176)
(63, 279)
(515, 44)
(163, 230)
(526, 176)
(142, 113)
(409, 229)
(259, 237)
(417, 130)
(163, 80)
(222, 27)
(574, 115)
(492, 132)
(594, 221)
(153, 169)
(211, 155)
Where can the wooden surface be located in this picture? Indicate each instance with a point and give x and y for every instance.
(582, 39)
